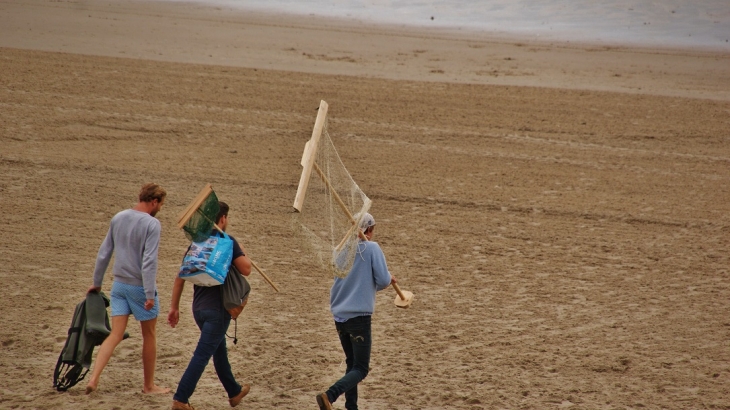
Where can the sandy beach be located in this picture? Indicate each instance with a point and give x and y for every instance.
(560, 210)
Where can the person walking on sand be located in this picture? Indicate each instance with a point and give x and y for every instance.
(352, 302)
(213, 320)
(134, 235)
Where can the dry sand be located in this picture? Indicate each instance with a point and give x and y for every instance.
(561, 211)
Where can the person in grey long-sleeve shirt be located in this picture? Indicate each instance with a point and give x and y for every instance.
(135, 263)
(133, 238)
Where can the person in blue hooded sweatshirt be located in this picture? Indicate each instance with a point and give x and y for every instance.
(352, 302)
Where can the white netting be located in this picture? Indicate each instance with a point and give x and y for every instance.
(333, 201)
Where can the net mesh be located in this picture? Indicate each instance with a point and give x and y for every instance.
(333, 201)
(200, 225)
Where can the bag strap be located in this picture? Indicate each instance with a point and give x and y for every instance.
(235, 331)
(221, 234)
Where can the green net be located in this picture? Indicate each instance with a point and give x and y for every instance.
(201, 224)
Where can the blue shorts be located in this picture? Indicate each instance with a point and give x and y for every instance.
(130, 299)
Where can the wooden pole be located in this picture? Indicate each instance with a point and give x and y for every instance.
(339, 200)
(398, 291)
(266, 278)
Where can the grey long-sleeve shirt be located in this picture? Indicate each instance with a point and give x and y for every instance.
(135, 237)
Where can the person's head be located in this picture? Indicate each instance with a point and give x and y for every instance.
(153, 196)
(367, 224)
(222, 218)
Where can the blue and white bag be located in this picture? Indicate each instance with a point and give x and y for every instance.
(206, 263)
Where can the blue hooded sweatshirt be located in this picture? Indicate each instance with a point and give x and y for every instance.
(354, 295)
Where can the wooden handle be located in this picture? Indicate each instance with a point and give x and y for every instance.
(266, 278)
(342, 205)
(339, 200)
(397, 289)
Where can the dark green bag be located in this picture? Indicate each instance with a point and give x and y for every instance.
(89, 327)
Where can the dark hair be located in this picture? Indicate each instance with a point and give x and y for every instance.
(222, 211)
(150, 192)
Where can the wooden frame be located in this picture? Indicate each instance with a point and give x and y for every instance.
(194, 206)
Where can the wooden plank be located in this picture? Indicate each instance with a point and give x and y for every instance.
(190, 210)
(310, 151)
(307, 152)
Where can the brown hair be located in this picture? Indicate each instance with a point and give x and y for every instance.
(150, 192)
(222, 211)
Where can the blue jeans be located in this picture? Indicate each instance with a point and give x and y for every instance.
(356, 340)
(213, 324)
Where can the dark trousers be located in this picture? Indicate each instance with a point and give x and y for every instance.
(213, 324)
(356, 340)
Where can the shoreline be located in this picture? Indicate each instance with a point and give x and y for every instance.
(545, 31)
(194, 33)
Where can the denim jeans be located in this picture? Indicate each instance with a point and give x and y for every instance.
(356, 340)
(213, 324)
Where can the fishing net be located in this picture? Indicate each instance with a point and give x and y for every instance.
(202, 221)
(329, 219)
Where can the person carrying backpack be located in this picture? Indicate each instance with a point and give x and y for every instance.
(213, 320)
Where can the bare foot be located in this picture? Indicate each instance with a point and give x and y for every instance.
(90, 389)
(156, 390)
